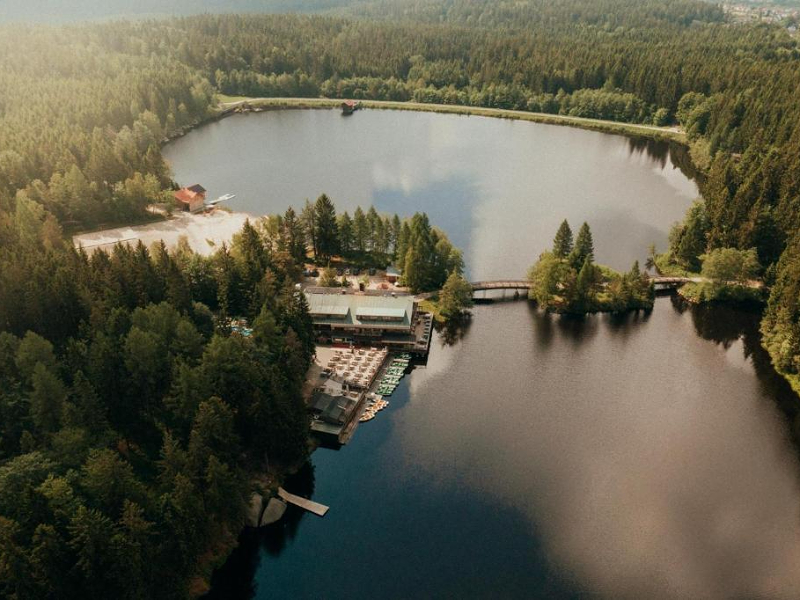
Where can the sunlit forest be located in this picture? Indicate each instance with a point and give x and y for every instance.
(128, 414)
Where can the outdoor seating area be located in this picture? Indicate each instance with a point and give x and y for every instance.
(356, 367)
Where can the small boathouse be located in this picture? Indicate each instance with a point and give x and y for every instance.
(192, 198)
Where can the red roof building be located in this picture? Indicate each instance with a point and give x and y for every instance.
(191, 199)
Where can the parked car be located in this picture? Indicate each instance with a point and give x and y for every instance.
(340, 272)
(347, 271)
(356, 271)
(372, 271)
(315, 272)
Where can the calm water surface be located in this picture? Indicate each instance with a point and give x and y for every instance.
(534, 456)
(499, 188)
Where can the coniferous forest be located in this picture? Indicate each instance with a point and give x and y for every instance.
(131, 417)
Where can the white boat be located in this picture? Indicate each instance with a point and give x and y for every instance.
(224, 198)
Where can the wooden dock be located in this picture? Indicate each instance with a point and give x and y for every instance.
(309, 505)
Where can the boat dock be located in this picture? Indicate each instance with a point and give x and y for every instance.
(309, 505)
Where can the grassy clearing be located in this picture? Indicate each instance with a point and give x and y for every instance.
(225, 99)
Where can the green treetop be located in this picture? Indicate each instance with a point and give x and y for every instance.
(562, 244)
(326, 229)
(584, 247)
(456, 296)
(729, 265)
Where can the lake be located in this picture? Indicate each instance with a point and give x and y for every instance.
(534, 456)
(499, 188)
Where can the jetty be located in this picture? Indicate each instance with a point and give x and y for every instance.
(309, 505)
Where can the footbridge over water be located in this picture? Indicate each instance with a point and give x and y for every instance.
(519, 285)
(503, 284)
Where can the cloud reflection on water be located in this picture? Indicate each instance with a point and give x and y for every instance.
(652, 464)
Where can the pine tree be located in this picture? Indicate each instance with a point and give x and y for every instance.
(395, 234)
(360, 230)
(635, 273)
(47, 399)
(401, 247)
(584, 247)
(412, 277)
(308, 218)
(562, 244)
(584, 282)
(326, 229)
(294, 238)
(373, 227)
(345, 225)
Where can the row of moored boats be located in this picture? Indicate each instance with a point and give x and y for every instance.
(386, 386)
(393, 374)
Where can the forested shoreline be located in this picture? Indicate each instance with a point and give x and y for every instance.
(132, 416)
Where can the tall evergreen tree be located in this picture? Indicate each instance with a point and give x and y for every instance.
(345, 226)
(308, 217)
(360, 230)
(395, 234)
(294, 237)
(562, 244)
(327, 231)
(584, 247)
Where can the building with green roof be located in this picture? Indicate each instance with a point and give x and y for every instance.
(366, 320)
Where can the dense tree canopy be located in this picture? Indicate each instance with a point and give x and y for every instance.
(130, 415)
(127, 438)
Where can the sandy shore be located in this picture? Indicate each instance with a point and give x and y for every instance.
(205, 232)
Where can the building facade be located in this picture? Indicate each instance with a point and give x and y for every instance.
(368, 320)
(191, 199)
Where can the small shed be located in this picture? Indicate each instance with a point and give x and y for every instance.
(191, 199)
(392, 274)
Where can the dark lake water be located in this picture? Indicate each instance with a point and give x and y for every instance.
(534, 456)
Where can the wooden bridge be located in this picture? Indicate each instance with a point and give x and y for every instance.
(503, 284)
(520, 284)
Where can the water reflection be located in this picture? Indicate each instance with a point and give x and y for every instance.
(499, 188)
(653, 463)
(665, 154)
(236, 579)
(534, 455)
(542, 456)
(726, 326)
(454, 331)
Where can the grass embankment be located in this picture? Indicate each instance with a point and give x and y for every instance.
(706, 291)
(630, 129)
(431, 305)
(667, 268)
